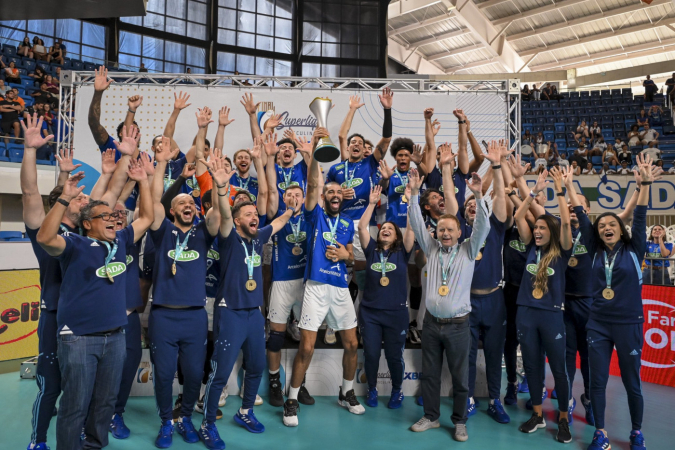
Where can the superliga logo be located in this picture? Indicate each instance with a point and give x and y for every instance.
(266, 110)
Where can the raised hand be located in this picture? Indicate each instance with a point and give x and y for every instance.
(557, 178)
(375, 193)
(204, 117)
(33, 132)
(385, 170)
(130, 138)
(414, 181)
(428, 113)
(146, 162)
(101, 81)
(273, 122)
(134, 102)
(416, 155)
(568, 176)
(219, 172)
(163, 154)
(435, 127)
(290, 134)
(65, 158)
(303, 146)
(645, 166)
(188, 171)
(386, 98)
(475, 185)
(224, 117)
(180, 100)
(459, 113)
(271, 144)
(542, 182)
(517, 168)
(70, 189)
(504, 150)
(355, 102)
(447, 156)
(108, 164)
(348, 193)
(319, 132)
(408, 191)
(256, 151)
(249, 106)
(136, 171)
(494, 154)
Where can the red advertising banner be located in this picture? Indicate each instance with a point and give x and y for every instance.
(658, 351)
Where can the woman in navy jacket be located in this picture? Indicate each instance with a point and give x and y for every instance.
(616, 315)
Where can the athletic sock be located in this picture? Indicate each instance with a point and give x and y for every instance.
(274, 372)
(347, 386)
(293, 393)
(492, 401)
(243, 411)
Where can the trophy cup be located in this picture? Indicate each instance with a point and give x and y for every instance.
(325, 151)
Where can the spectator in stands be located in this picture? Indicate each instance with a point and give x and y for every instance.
(10, 110)
(43, 95)
(655, 115)
(18, 99)
(650, 89)
(609, 156)
(642, 118)
(527, 138)
(25, 49)
(39, 50)
(554, 93)
(539, 140)
(618, 143)
(542, 149)
(625, 155)
(552, 154)
(143, 68)
(525, 93)
(649, 135)
(536, 93)
(35, 109)
(583, 143)
(62, 46)
(3, 88)
(657, 247)
(652, 151)
(606, 170)
(2, 62)
(575, 167)
(582, 131)
(624, 170)
(634, 136)
(595, 131)
(39, 74)
(57, 76)
(589, 170)
(599, 147)
(580, 156)
(670, 88)
(546, 92)
(12, 73)
(55, 54)
(51, 85)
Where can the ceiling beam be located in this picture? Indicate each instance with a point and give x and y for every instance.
(596, 37)
(536, 11)
(399, 7)
(412, 59)
(418, 25)
(473, 65)
(622, 74)
(456, 51)
(590, 18)
(490, 3)
(438, 37)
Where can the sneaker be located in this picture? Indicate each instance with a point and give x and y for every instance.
(350, 402)
(570, 410)
(165, 435)
(420, 400)
(177, 406)
(187, 430)
(371, 397)
(330, 338)
(511, 397)
(40, 446)
(223, 397)
(600, 441)
(590, 419)
(293, 330)
(637, 440)
(554, 394)
(117, 427)
(524, 388)
(396, 400)
(424, 424)
(496, 411)
(528, 405)
(276, 397)
(470, 407)
(291, 413)
(258, 399)
(199, 407)
(564, 434)
(208, 434)
(533, 424)
(304, 397)
(460, 433)
(249, 421)
(414, 335)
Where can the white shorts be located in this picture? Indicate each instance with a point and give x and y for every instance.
(284, 296)
(267, 253)
(323, 301)
(358, 251)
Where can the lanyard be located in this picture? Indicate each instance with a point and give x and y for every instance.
(608, 268)
(383, 262)
(333, 227)
(64, 230)
(400, 178)
(181, 246)
(576, 243)
(249, 260)
(287, 176)
(243, 185)
(538, 258)
(168, 182)
(296, 229)
(111, 253)
(350, 176)
(446, 269)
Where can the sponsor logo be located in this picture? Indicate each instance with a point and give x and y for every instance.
(355, 182)
(399, 189)
(634, 353)
(256, 260)
(559, 336)
(130, 259)
(301, 237)
(114, 269)
(94, 244)
(440, 189)
(532, 268)
(581, 250)
(187, 255)
(282, 186)
(24, 312)
(517, 245)
(329, 237)
(659, 332)
(339, 167)
(344, 222)
(212, 254)
(329, 272)
(388, 267)
(412, 376)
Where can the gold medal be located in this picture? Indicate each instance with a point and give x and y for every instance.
(297, 250)
(443, 290)
(537, 293)
(573, 262)
(110, 277)
(384, 281)
(608, 293)
(173, 269)
(250, 285)
(404, 199)
(479, 256)
(196, 193)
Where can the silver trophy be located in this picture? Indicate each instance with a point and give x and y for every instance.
(325, 151)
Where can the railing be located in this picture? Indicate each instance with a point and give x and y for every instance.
(657, 275)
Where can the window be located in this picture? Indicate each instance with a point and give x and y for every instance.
(83, 40)
(182, 17)
(257, 24)
(159, 55)
(229, 63)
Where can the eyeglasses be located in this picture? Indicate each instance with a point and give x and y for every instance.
(107, 216)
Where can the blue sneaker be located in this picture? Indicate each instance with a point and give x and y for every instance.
(600, 442)
(249, 421)
(187, 430)
(524, 388)
(528, 405)
(420, 400)
(396, 400)
(165, 435)
(496, 411)
(40, 446)
(208, 433)
(371, 398)
(470, 408)
(117, 427)
(570, 410)
(590, 419)
(637, 440)
(554, 394)
(511, 397)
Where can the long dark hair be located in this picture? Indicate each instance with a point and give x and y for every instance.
(651, 236)
(553, 252)
(624, 233)
(398, 243)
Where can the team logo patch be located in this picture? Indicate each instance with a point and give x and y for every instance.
(400, 189)
(253, 197)
(188, 255)
(329, 237)
(256, 260)
(301, 237)
(517, 245)
(581, 250)
(212, 254)
(388, 267)
(532, 268)
(114, 269)
(344, 222)
(283, 185)
(340, 167)
(440, 189)
(130, 259)
(355, 182)
(192, 183)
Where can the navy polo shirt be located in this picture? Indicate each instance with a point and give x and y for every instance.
(212, 269)
(515, 255)
(554, 298)
(134, 299)
(489, 271)
(395, 295)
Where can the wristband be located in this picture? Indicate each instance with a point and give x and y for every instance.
(645, 183)
(498, 166)
(131, 111)
(533, 195)
(291, 209)
(461, 122)
(560, 194)
(512, 193)
(63, 202)
(220, 187)
(637, 189)
(223, 195)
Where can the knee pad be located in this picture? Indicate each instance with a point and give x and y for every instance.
(275, 341)
(415, 297)
(360, 278)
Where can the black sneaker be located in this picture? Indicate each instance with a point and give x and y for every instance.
(304, 397)
(350, 402)
(564, 434)
(276, 394)
(533, 424)
(177, 406)
(199, 407)
(291, 413)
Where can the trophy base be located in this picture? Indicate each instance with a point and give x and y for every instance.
(326, 151)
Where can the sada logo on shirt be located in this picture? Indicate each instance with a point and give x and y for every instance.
(212, 254)
(301, 237)
(440, 189)
(188, 255)
(581, 250)
(114, 269)
(130, 259)
(329, 237)
(354, 182)
(283, 186)
(517, 245)
(256, 260)
(400, 189)
(532, 268)
(388, 267)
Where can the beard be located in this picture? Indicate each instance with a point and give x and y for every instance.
(248, 234)
(329, 208)
(180, 220)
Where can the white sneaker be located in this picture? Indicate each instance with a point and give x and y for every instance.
(223, 397)
(424, 424)
(293, 330)
(330, 338)
(460, 433)
(350, 402)
(258, 399)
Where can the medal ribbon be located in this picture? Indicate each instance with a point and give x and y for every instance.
(576, 243)
(400, 178)
(243, 185)
(608, 269)
(181, 246)
(446, 269)
(383, 261)
(296, 230)
(333, 227)
(349, 176)
(168, 182)
(249, 260)
(287, 176)
(111, 252)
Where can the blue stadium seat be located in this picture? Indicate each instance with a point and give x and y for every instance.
(559, 127)
(550, 128)
(608, 135)
(605, 93)
(15, 154)
(548, 136)
(574, 94)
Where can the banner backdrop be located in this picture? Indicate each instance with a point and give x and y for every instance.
(487, 113)
(19, 313)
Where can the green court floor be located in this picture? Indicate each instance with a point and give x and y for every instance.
(326, 426)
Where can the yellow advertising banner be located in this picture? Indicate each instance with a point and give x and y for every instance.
(19, 313)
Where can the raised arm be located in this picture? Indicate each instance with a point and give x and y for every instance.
(496, 150)
(447, 164)
(386, 100)
(415, 218)
(179, 104)
(48, 236)
(221, 181)
(409, 235)
(364, 223)
(108, 167)
(418, 156)
(518, 172)
(33, 208)
(223, 121)
(521, 214)
(386, 173)
(146, 214)
(250, 107)
(282, 220)
(271, 149)
(66, 165)
(565, 226)
(627, 214)
(462, 139)
(314, 173)
(354, 104)
(481, 224)
(256, 153)
(101, 83)
(203, 121)
(161, 158)
(128, 147)
(134, 102)
(476, 150)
